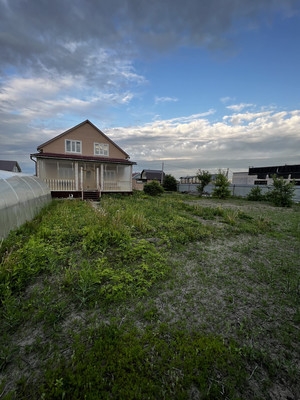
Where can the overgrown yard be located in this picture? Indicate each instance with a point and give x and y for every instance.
(170, 297)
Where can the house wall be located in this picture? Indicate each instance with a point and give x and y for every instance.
(243, 178)
(88, 135)
(137, 184)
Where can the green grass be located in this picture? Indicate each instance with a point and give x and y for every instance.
(140, 297)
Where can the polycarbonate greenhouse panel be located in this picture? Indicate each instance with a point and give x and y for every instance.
(21, 199)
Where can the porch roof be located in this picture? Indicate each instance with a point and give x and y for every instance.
(76, 157)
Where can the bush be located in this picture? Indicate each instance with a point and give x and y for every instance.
(170, 183)
(221, 189)
(204, 178)
(153, 188)
(282, 194)
(255, 194)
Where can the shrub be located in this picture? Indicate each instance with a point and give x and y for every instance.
(170, 183)
(204, 178)
(255, 194)
(153, 188)
(282, 193)
(222, 183)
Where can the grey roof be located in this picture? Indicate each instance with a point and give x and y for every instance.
(136, 175)
(7, 165)
(152, 174)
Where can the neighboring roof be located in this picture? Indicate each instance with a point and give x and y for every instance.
(84, 158)
(136, 175)
(6, 165)
(279, 170)
(78, 126)
(152, 174)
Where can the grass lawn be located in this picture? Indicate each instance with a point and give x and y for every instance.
(140, 297)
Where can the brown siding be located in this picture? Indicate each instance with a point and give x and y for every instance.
(88, 135)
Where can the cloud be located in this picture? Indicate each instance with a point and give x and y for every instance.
(226, 99)
(239, 107)
(165, 99)
(63, 61)
(189, 143)
(61, 36)
(184, 144)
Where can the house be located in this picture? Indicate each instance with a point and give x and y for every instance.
(148, 175)
(263, 175)
(137, 183)
(83, 162)
(12, 166)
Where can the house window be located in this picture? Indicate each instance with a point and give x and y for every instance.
(260, 182)
(73, 146)
(110, 175)
(101, 149)
(65, 170)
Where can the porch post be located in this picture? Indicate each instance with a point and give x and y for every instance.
(97, 180)
(76, 176)
(101, 178)
(130, 179)
(81, 182)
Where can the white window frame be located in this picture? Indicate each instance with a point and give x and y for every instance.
(73, 146)
(101, 149)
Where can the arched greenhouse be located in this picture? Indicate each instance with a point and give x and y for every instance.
(21, 198)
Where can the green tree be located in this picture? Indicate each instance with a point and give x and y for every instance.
(282, 193)
(222, 183)
(255, 194)
(204, 178)
(170, 183)
(153, 188)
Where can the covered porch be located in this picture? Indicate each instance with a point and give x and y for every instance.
(76, 178)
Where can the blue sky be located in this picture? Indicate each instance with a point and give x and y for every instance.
(202, 84)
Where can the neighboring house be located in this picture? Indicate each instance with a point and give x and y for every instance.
(137, 183)
(83, 162)
(263, 175)
(12, 166)
(193, 179)
(148, 175)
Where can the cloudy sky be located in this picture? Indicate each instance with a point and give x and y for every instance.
(188, 84)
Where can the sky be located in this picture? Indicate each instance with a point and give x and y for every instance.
(179, 85)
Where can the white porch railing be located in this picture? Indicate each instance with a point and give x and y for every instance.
(61, 184)
(121, 186)
(70, 185)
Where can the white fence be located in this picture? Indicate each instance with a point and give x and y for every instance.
(236, 190)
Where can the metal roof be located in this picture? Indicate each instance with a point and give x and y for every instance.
(84, 158)
(7, 165)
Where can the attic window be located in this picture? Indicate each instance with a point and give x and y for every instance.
(73, 146)
(101, 149)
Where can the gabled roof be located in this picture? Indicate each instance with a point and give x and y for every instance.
(152, 174)
(78, 126)
(7, 165)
